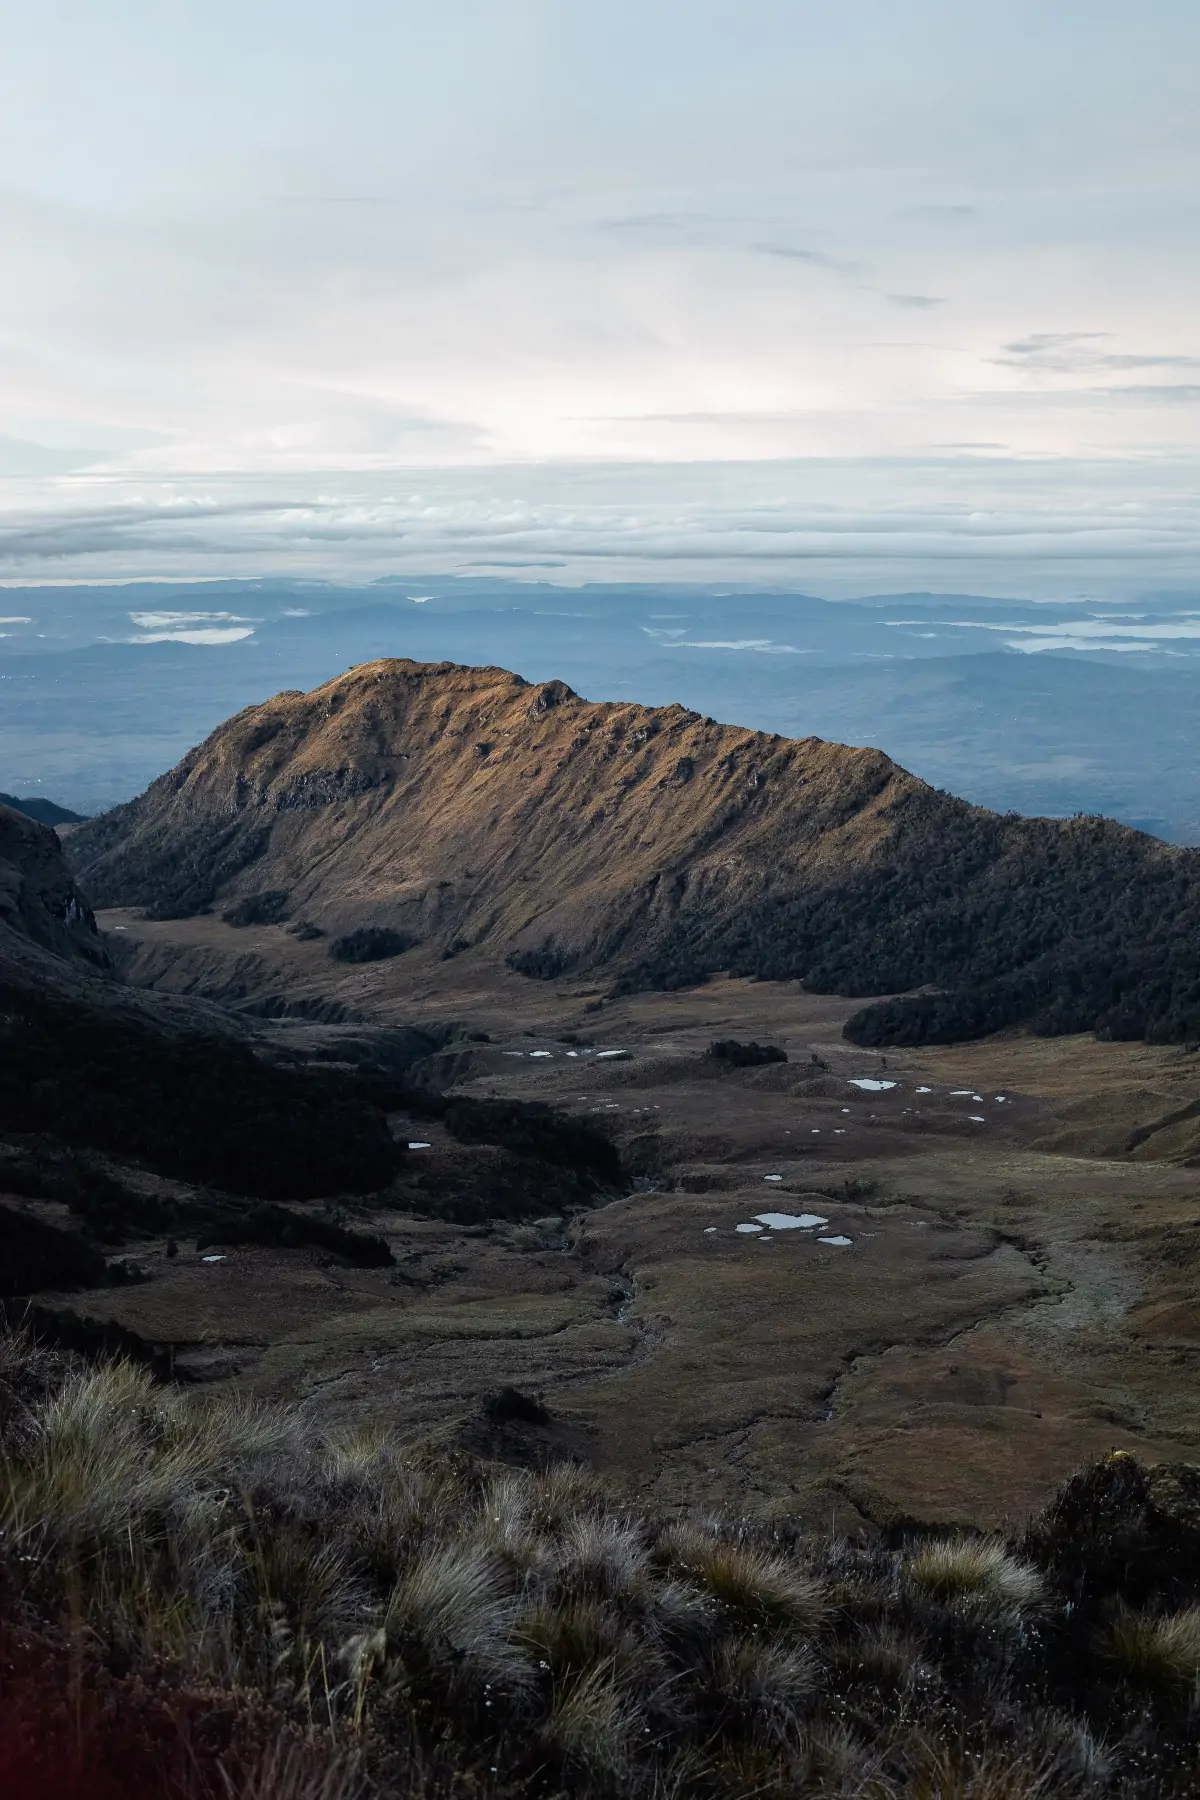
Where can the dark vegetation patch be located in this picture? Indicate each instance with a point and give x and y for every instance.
(544, 964)
(494, 1632)
(745, 1056)
(109, 1209)
(319, 1007)
(483, 1185)
(1060, 926)
(280, 1228)
(258, 909)
(36, 1255)
(531, 1128)
(529, 1159)
(304, 931)
(200, 1107)
(370, 943)
(509, 1406)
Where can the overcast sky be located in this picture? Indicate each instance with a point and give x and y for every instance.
(295, 286)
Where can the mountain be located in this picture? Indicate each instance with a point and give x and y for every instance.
(176, 1085)
(104, 1086)
(44, 811)
(472, 811)
(41, 908)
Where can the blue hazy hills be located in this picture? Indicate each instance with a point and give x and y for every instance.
(1057, 707)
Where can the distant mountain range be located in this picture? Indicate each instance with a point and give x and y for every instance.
(44, 811)
(104, 687)
(469, 810)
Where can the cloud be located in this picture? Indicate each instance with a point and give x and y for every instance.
(818, 259)
(1057, 351)
(21, 456)
(165, 621)
(1079, 352)
(965, 523)
(919, 302)
(201, 635)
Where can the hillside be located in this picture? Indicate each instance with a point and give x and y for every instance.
(46, 812)
(40, 906)
(468, 810)
(87, 1063)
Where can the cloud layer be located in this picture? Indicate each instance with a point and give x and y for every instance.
(254, 245)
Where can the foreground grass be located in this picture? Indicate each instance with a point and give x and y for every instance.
(208, 1599)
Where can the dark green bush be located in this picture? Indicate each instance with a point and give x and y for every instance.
(370, 943)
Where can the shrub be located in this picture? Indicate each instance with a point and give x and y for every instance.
(546, 964)
(258, 909)
(745, 1056)
(370, 943)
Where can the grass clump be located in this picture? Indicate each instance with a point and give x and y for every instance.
(1163, 1651)
(980, 1575)
(745, 1578)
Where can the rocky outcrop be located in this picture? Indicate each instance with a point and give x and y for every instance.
(39, 899)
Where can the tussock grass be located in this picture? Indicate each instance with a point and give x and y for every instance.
(1158, 1651)
(602, 1554)
(453, 1610)
(289, 1770)
(372, 1621)
(746, 1579)
(939, 1772)
(591, 1722)
(979, 1575)
(763, 1685)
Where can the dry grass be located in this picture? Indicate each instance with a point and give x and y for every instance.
(978, 1575)
(746, 1579)
(431, 1627)
(591, 1722)
(1162, 1651)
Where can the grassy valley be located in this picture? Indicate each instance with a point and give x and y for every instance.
(477, 1325)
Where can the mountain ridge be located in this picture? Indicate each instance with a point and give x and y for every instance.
(46, 812)
(469, 810)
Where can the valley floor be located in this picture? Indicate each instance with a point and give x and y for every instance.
(1002, 1284)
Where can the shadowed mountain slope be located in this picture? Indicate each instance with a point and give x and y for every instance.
(174, 1084)
(40, 906)
(44, 811)
(405, 802)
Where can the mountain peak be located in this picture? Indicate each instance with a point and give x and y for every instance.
(472, 812)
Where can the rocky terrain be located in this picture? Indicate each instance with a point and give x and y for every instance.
(467, 811)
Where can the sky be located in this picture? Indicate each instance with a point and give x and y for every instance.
(845, 296)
